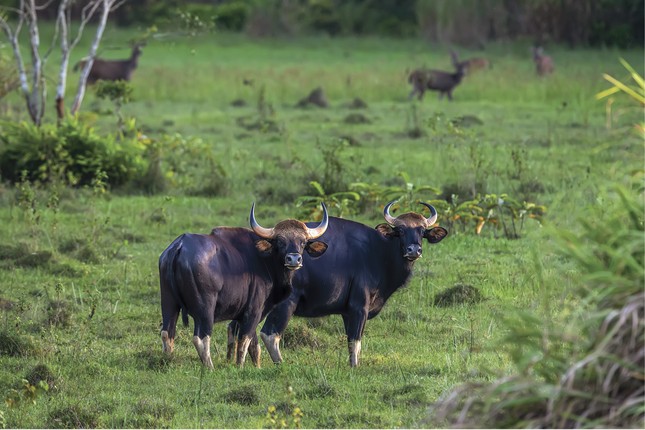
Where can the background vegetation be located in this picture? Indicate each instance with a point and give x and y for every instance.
(213, 123)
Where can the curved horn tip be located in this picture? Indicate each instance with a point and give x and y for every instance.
(265, 233)
(386, 212)
(433, 213)
(318, 231)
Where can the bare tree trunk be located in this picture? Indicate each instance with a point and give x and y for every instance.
(66, 46)
(12, 35)
(82, 81)
(64, 62)
(37, 96)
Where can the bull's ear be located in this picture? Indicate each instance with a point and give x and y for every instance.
(316, 248)
(435, 235)
(386, 230)
(264, 247)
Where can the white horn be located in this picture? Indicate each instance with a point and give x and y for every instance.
(386, 213)
(264, 233)
(433, 214)
(316, 232)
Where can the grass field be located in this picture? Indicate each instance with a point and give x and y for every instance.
(79, 296)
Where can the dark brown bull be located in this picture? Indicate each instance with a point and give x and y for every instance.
(232, 274)
(362, 268)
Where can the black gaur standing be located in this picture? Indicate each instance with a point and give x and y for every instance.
(232, 274)
(358, 273)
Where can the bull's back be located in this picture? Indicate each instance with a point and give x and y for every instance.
(221, 268)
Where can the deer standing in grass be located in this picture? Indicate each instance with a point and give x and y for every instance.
(112, 70)
(436, 80)
(543, 63)
(474, 64)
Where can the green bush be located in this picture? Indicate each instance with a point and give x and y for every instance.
(71, 152)
(232, 16)
(582, 373)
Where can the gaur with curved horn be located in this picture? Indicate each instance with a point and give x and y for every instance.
(354, 278)
(233, 274)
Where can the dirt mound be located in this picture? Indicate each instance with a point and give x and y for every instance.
(316, 97)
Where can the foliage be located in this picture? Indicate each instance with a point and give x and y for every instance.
(232, 15)
(501, 212)
(118, 92)
(569, 380)
(185, 163)
(286, 415)
(71, 152)
(27, 393)
(636, 92)
(340, 203)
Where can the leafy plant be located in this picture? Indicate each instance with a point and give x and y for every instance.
(27, 393)
(588, 373)
(286, 415)
(72, 152)
(340, 203)
(118, 92)
(635, 92)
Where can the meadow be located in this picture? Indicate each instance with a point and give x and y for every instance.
(79, 291)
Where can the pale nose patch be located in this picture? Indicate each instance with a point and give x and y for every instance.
(413, 251)
(293, 260)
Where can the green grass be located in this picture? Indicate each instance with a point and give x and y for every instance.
(88, 306)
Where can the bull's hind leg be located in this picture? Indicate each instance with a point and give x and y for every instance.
(169, 315)
(202, 335)
(254, 350)
(242, 348)
(232, 332)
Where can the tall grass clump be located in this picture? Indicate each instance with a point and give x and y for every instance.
(587, 375)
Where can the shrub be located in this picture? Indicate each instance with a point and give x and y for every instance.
(588, 375)
(71, 152)
(232, 16)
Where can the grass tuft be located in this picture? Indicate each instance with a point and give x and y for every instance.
(460, 294)
(15, 346)
(73, 416)
(245, 396)
(41, 372)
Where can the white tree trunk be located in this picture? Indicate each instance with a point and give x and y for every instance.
(82, 81)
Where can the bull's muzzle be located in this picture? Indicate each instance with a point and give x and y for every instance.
(293, 261)
(413, 252)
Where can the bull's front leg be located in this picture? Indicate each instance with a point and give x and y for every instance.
(354, 325)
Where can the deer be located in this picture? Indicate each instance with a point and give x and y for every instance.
(436, 80)
(474, 64)
(112, 70)
(543, 63)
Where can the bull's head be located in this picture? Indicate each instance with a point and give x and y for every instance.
(290, 238)
(411, 228)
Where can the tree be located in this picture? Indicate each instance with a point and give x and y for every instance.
(33, 85)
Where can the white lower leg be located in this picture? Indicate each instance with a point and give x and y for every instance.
(242, 349)
(203, 348)
(272, 343)
(167, 344)
(354, 352)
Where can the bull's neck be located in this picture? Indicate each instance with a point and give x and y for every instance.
(399, 272)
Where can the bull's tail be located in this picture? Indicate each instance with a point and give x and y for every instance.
(168, 272)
